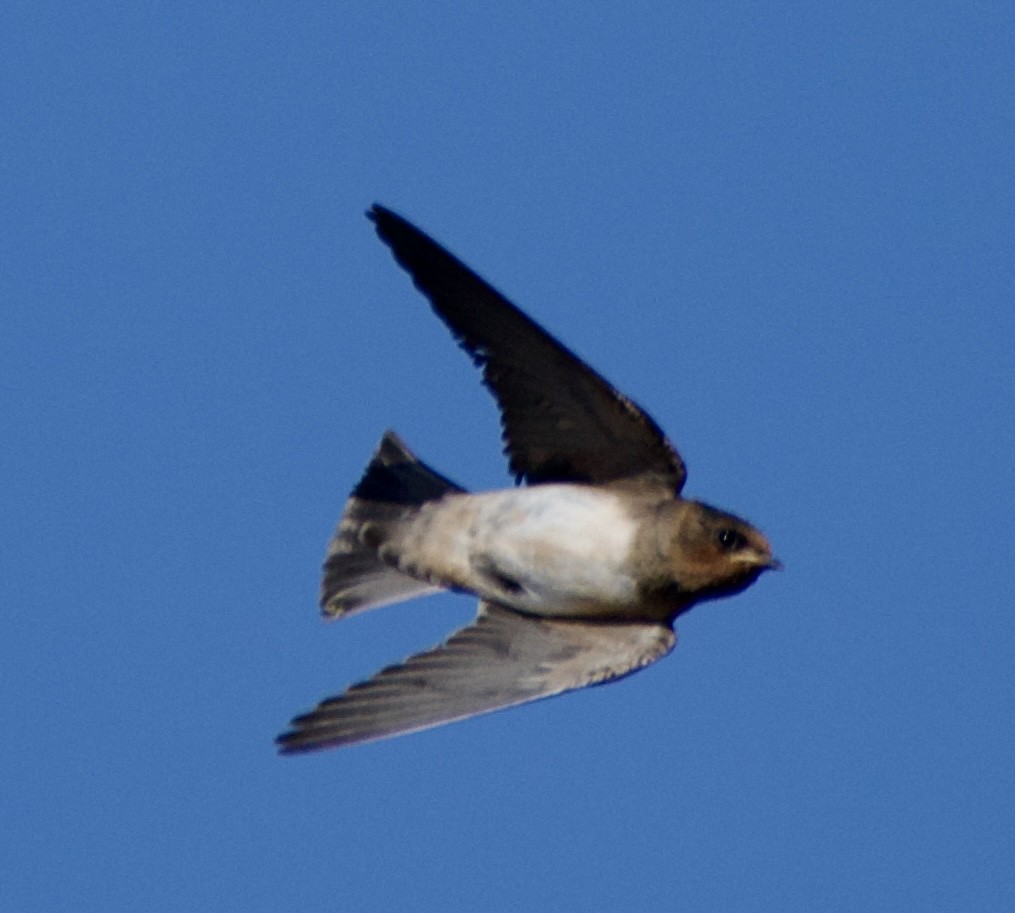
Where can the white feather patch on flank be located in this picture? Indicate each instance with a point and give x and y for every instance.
(549, 549)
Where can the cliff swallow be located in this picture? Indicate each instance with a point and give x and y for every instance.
(580, 573)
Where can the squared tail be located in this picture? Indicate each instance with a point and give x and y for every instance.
(394, 486)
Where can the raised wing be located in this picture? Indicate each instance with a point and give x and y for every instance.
(562, 422)
(500, 660)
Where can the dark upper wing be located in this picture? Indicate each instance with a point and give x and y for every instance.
(562, 422)
(500, 660)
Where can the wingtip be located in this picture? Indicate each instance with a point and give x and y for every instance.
(288, 744)
(378, 212)
(300, 738)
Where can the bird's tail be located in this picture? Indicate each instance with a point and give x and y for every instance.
(395, 485)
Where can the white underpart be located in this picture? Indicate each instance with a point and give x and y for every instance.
(566, 548)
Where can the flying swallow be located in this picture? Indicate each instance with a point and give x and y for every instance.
(580, 572)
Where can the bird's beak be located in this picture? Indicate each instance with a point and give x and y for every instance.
(759, 559)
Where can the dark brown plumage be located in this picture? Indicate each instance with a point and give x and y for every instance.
(580, 573)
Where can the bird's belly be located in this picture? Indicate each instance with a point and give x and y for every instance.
(554, 550)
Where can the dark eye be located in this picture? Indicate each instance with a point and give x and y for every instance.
(730, 540)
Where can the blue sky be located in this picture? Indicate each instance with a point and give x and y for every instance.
(785, 229)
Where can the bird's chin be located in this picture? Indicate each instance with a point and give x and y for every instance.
(736, 584)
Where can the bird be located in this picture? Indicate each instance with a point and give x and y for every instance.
(580, 570)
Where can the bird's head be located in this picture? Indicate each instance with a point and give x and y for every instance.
(712, 553)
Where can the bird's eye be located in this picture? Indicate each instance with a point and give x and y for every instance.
(730, 540)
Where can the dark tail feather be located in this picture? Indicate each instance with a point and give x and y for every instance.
(396, 476)
(393, 488)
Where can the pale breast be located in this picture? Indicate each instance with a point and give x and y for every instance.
(554, 549)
